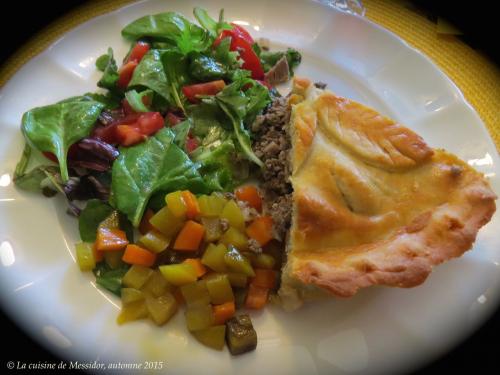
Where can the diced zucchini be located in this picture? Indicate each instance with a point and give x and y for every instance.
(154, 241)
(233, 215)
(179, 274)
(238, 280)
(176, 204)
(196, 294)
(219, 289)
(199, 317)
(136, 276)
(236, 238)
(161, 308)
(114, 258)
(211, 206)
(130, 295)
(165, 222)
(111, 222)
(240, 295)
(85, 256)
(240, 335)
(213, 230)
(132, 311)
(264, 261)
(156, 285)
(214, 257)
(213, 337)
(238, 263)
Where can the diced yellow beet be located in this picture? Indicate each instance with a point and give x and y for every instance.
(213, 257)
(179, 274)
(130, 295)
(196, 294)
(113, 258)
(219, 289)
(176, 204)
(132, 311)
(213, 229)
(238, 280)
(161, 308)
(156, 285)
(213, 337)
(154, 241)
(85, 256)
(236, 238)
(136, 276)
(233, 215)
(238, 263)
(211, 206)
(111, 222)
(199, 317)
(165, 222)
(264, 261)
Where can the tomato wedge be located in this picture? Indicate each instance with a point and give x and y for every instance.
(128, 135)
(125, 74)
(208, 88)
(191, 144)
(242, 33)
(150, 122)
(173, 119)
(138, 52)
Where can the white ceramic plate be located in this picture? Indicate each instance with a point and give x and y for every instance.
(379, 330)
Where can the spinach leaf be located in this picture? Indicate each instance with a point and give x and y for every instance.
(205, 68)
(135, 100)
(109, 101)
(176, 70)
(40, 179)
(151, 74)
(154, 165)
(54, 128)
(216, 161)
(205, 116)
(107, 64)
(110, 279)
(269, 59)
(208, 23)
(91, 216)
(225, 56)
(181, 131)
(22, 164)
(170, 27)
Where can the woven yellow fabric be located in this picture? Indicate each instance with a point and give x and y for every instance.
(475, 75)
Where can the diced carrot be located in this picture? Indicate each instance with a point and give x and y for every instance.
(261, 229)
(190, 236)
(192, 207)
(223, 312)
(110, 239)
(197, 265)
(264, 278)
(137, 255)
(145, 226)
(250, 194)
(98, 255)
(256, 297)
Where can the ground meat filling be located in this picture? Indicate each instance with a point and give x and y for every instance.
(273, 146)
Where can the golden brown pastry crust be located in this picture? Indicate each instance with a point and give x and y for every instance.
(373, 204)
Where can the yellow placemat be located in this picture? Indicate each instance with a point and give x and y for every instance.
(475, 75)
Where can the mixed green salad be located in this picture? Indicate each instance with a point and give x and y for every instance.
(152, 152)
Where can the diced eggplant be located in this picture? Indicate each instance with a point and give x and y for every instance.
(219, 289)
(136, 276)
(156, 285)
(240, 335)
(235, 238)
(240, 295)
(237, 262)
(114, 258)
(199, 317)
(85, 256)
(161, 308)
(166, 222)
(211, 206)
(232, 213)
(130, 295)
(154, 241)
(179, 274)
(213, 229)
(196, 294)
(213, 337)
(176, 204)
(132, 311)
(214, 257)
(112, 221)
(238, 280)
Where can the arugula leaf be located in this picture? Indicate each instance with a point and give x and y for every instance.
(151, 74)
(54, 128)
(135, 100)
(258, 98)
(176, 70)
(170, 27)
(208, 23)
(216, 161)
(107, 64)
(225, 56)
(110, 279)
(154, 165)
(269, 59)
(91, 216)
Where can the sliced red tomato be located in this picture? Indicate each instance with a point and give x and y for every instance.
(138, 52)
(173, 119)
(191, 144)
(125, 74)
(242, 33)
(224, 34)
(250, 59)
(208, 88)
(150, 122)
(129, 135)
